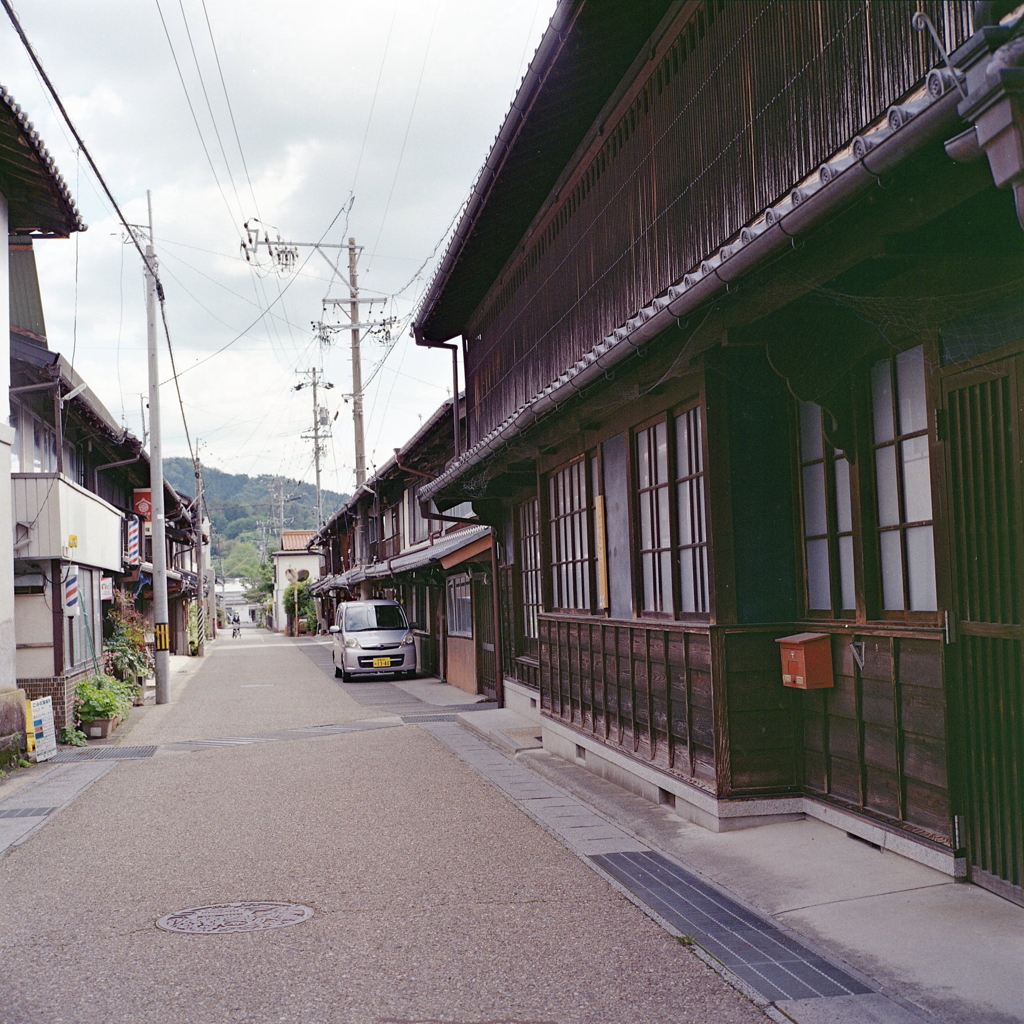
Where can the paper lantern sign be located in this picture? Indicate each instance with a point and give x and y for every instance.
(142, 504)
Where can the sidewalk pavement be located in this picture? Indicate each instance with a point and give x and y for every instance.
(266, 781)
(929, 946)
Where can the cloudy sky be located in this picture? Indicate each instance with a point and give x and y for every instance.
(353, 118)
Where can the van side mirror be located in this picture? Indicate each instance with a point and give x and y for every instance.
(416, 626)
(334, 629)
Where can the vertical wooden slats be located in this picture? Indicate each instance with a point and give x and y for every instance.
(733, 116)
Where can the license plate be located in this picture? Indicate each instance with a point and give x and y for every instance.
(382, 663)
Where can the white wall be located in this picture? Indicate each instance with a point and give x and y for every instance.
(283, 561)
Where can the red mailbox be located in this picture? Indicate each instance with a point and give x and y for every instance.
(806, 660)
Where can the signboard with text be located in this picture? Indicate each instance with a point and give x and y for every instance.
(43, 732)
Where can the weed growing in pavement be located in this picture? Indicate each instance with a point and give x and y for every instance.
(72, 736)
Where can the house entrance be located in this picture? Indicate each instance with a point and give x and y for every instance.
(985, 659)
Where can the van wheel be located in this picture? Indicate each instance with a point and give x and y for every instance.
(339, 673)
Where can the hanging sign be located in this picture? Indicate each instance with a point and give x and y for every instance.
(71, 603)
(44, 735)
(106, 588)
(133, 542)
(142, 503)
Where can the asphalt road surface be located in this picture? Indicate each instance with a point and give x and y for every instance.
(433, 898)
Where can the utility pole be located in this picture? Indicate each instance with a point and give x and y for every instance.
(161, 627)
(200, 571)
(321, 421)
(357, 366)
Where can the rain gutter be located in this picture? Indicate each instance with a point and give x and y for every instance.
(908, 128)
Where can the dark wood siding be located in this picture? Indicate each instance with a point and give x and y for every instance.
(744, 100)
(875, 742)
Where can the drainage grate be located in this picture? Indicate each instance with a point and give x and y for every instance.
(26, 812)
(766, 958)
(102, 754)
(224, 918)
(416, 719)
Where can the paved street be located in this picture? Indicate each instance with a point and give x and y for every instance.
(433, 897)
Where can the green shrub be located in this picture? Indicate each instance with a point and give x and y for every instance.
(103, 696)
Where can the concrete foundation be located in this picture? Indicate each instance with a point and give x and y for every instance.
(691, 803)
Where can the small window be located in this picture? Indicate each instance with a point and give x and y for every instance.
(826, 519)
(568, 509)
(693, 535)
(655, 517)
(460, 606)
(529, 560)
(906, 550)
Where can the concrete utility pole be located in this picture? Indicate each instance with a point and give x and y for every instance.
(357, 366)
(200, 574)
(321, 429)
(161, 626)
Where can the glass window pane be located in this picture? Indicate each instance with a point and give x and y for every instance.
(661, 451)
(810, 431)
(921, 569)
(688, 580)
(881, 402)
(647, 564)
(885, 479)
(819, 593)
(815, 519)
(910, 390)
(665, 602)
(844, 514)
(684, 440)
(643, 468)
(847, 594)
(917, 484)
(685, 514)
(664, 532)
(892, 570)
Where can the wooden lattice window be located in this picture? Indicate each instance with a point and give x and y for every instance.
(529, 566)
(568, 512)
(655, 517)
(826, 519)
(899, 407)
(692, 527)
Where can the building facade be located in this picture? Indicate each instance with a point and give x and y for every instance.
(743, 345)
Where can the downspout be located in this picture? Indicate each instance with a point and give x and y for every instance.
(110, 465)
(420, 340)
(499, 678)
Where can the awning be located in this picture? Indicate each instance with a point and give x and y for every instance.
(448, 550)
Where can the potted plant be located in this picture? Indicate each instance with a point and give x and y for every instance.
(125, 653)
(103, 702)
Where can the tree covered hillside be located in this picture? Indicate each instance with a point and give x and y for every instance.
(246, 512)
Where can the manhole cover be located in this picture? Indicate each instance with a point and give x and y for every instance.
(221, 918)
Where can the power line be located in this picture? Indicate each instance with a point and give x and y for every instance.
(191, 108)
(149, 264)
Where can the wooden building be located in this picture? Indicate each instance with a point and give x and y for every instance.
(739, 300)
(383, 543)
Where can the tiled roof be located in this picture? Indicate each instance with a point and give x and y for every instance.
(296, 540)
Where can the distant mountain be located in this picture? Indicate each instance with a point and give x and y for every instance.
(247, 510)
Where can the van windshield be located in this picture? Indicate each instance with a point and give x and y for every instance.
(360, 617)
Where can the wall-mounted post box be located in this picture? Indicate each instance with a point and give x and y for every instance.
(806, 660)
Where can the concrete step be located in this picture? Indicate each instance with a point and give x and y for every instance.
(504, 729)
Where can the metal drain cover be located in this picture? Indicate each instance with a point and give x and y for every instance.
(221, 918)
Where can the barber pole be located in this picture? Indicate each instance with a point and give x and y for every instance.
(133, 542)
(71, 604)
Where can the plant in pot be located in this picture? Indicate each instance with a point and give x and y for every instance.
(104, 701)
(125, 654)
